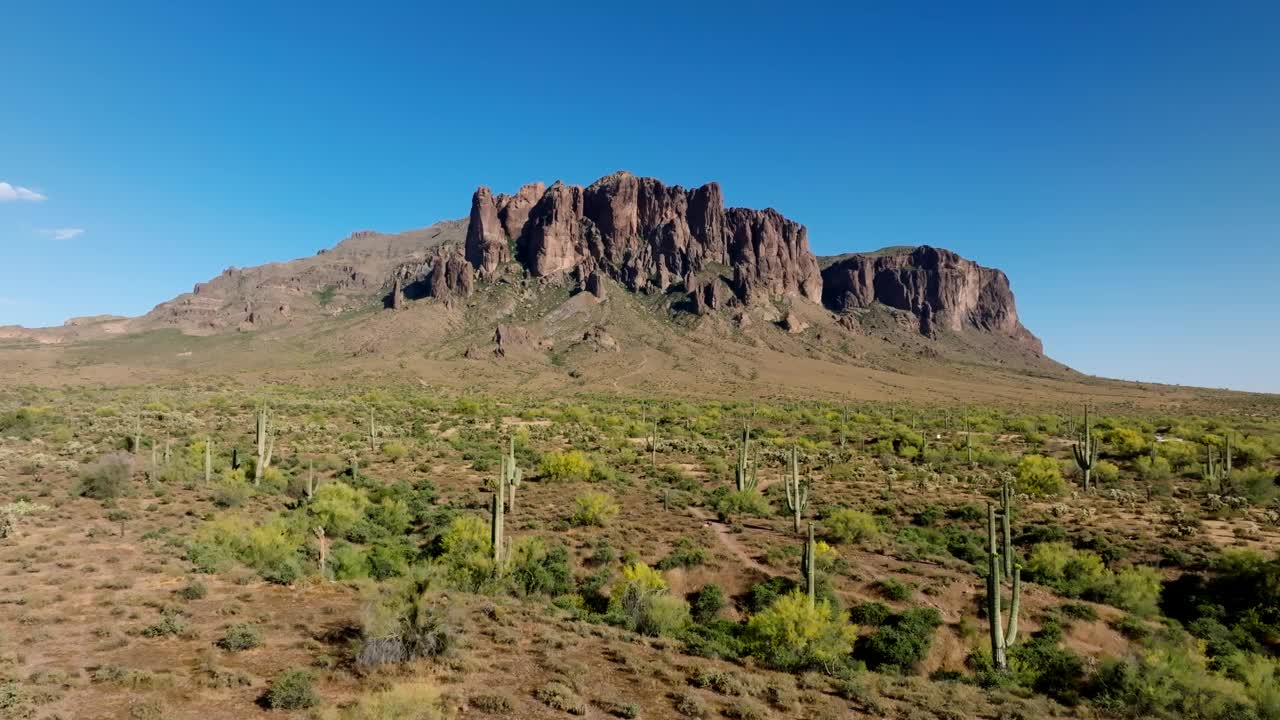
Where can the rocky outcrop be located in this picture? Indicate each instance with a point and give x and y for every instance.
(643, 234)
(486, 244)
(942, 289)
(450, 276)
(495, 222)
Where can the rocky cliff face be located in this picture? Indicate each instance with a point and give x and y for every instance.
(643, 234)
(941, 288)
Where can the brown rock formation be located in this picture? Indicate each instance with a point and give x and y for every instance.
(486, 244)
(494, 222)
(943, 290)
(450, 276)
(645, 235)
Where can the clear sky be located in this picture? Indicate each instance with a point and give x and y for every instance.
(1121, 161)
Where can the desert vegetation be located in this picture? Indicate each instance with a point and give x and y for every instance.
(373, 552)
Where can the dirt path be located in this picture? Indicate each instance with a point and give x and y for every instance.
(639, 366)
(731, 542)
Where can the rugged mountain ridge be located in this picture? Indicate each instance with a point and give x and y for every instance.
(938, 286)
(643, 234)
(636, 232)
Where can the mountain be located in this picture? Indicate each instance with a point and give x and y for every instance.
(558, 274)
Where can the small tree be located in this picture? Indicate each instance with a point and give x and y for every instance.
(791, 634)
(593, 508)
(1040, 475)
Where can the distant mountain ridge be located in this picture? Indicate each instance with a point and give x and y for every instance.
(647, 237)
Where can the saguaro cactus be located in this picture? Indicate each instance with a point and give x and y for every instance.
(323, 542)
(797, 491)
(1006, 517)
(311, 479)
(744, 473)
(809, 565)
(266, 444)
(137, 433)
(497, 519)
(1002, 637)
(511, 474)
(1086, 451)
(1215, 471)
(653, 443)
(208, 459)
(373, 432)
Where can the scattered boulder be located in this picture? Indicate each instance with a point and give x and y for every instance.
(793, 324)
(600, 340)
(508, 337)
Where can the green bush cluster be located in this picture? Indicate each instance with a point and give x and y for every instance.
(1083, 574)
(901, 641)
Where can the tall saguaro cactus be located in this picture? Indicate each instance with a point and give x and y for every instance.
(511, 474)
(1006, 517)
(266, 444)
(1086, 451)
(137, 434)
(809, 565)
(1217, 469)
(497, 520)
(1002, 637)
(208, 459)
(744, 473)
(653, 443)
(797, 491)
(968, 438)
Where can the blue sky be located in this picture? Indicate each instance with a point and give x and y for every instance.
(1121, 161)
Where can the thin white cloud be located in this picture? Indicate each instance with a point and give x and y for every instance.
(17, 193)
(62, 233)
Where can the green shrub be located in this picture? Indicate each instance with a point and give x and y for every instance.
(394, 450)
(870, 613)
(536, 568)
(467, 550)
(231, 491)
(1106, 472)
(1136, 589)
(408, 619)
(685, 554)
(240, 637)
(791, 635)
(292, 690)
(901, 642)
(338, 507)
(729, 503)
(894, 589)
(1170, 680)
(1039, 475)
(170, 624)
(1125, 442)
(847, 526)
(559, 696)
(1072, 573)
(593, 508)
(571, 465)
(639, 601)
(193, 590)
(707, 602)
